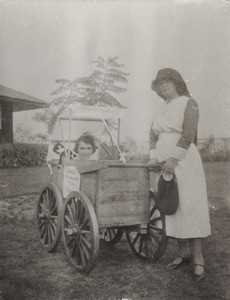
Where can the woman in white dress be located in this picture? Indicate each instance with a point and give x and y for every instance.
(172, 141)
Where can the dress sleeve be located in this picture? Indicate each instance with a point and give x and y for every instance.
(191, 117)
(153, 138)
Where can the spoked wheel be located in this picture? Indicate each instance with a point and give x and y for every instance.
(112, 236)
(80, 232)
(149, 243)
(48, 213)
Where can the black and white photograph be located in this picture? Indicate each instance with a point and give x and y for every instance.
(114, 149)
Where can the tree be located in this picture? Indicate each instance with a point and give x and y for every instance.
(93, 90)
(107, 76)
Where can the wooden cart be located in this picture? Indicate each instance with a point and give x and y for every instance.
(113, 197)
(109, 198)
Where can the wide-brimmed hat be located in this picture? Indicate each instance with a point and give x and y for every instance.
(175, 76)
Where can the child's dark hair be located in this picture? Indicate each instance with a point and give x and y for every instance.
(86, 138)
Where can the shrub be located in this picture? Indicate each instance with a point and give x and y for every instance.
(17, 155)
(215, 157)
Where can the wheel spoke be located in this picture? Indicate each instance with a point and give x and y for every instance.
(52, 232)
(42, 206)
(141, 243)
(153, 209)
(73, 249)
(70, 222)
(68, 242)
(42, 223)
(155, 219)
(85, 249)
(46, 198)
(112, 233)
(53, 226)
(54, 208)
(73, 206)
(153, 235)
(136, 238)
(70, 212)
(84, 224)
(49, 199)
(43, 230)
(85, 232)
(52, 202)
(46, 235)
(145, 246)
(78, 208)
(152, 227)
(49, 234)
(86, 242)
(152, 246)
(82, 215)
(82, 255)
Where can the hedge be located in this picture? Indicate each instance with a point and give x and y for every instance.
(31, 155)
(17, 155)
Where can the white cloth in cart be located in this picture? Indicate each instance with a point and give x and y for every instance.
(192, 217)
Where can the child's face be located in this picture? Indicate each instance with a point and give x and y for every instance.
(85, 151)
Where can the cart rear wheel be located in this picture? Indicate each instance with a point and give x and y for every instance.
(112, 236)
(150, 243)
(80, 232)
(48, 213)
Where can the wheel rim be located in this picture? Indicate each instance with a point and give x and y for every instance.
(49, 217)
(80, 232)
(149, 243)
(112, 236)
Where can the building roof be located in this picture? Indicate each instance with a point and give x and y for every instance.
(20, 100)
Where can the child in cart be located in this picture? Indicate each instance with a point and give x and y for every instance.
(84, 149)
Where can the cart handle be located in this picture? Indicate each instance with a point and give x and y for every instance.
(151, 167)
(93, 165)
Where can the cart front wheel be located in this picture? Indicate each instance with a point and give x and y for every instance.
(48, 214)
(149, 243)
(80, 232)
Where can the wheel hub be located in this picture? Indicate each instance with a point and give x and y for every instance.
(74, 231)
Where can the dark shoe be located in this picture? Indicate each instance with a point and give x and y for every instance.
(183, 261)
(199, 277)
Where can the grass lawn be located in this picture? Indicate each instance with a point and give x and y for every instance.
(29, 272)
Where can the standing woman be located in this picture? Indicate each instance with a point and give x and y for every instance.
(172, 141)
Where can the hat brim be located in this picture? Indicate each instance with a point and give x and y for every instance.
(155, 86)
(155, 83)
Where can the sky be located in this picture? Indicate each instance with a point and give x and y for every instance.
(42, 41)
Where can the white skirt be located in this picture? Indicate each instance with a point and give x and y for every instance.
(191, 219)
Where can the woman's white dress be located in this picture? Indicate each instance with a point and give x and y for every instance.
(192, 217)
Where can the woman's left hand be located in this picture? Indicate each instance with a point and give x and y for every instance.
(170, 165)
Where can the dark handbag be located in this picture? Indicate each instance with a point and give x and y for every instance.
(167, 196)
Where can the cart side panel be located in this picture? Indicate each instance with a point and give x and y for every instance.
(89, 186)
(88, 183)
(123, 197)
